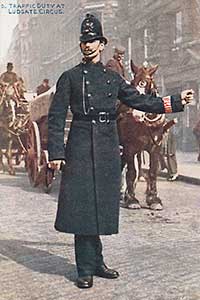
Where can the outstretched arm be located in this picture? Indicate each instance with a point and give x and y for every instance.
(148, 103)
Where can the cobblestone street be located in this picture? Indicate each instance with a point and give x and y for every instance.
(156, 253)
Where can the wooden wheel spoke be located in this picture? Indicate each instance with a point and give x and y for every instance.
(33, 153)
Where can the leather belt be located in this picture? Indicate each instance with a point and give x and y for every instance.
(101, 117)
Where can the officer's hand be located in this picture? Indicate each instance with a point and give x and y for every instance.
(56, 164)
(187, 96)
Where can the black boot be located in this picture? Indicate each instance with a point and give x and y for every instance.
(105, 272)
(85, 255)
(85, 282)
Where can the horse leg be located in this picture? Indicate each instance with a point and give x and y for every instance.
(123, 178)
(123, 186)
(141, 173)
(2, 167)
(198, 158)
(18, 158)
(11, 170)
(152, 199)
(130, 200)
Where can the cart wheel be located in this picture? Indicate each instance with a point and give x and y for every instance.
(48, 174)
(33, 153)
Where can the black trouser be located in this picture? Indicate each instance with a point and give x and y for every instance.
(88, 254)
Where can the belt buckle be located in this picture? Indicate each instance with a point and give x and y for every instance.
(103, 117)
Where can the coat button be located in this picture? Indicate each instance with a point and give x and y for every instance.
(91, 108)
(104, 70)
(89, 95)
(108, 81)
(87, 82)
(85, 71)
(109, 94)
(93, 122)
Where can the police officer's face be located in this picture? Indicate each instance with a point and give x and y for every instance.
(91, 50)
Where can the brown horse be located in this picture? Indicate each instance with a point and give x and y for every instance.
(13, 119)
(140, 132)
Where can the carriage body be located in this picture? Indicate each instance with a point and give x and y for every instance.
(37, 137)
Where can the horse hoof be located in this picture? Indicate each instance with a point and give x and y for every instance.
(156, 206)
(131, 204)
(12, 172)
(130, 201)
(2, 170)
(134, 206)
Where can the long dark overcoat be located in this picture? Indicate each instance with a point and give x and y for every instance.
(90, 187)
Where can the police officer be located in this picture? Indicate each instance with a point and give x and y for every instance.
(88, 204)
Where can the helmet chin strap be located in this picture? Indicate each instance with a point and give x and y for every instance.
(93, 52)
(89, 56)
(90, 53)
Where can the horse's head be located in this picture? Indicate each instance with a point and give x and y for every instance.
(8, 103)
(143, 78)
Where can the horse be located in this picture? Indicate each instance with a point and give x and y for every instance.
(13, 119)
(139, 132)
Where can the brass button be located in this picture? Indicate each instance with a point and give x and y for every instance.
(93, 122)
(85, 71)
(108, 81)
(89, 95)
(109, 94)
(87, 82)
(104, 70)
(91, 108)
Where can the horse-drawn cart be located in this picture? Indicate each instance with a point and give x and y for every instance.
(37, 155)
(14, 117)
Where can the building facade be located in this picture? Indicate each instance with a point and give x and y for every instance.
(44, 46)
(167, 33)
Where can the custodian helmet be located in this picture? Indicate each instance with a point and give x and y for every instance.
(91, 30)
